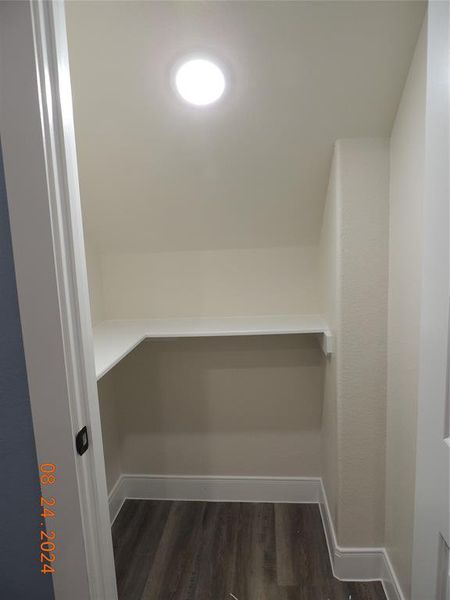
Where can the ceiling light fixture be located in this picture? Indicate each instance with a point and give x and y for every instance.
(199, 81)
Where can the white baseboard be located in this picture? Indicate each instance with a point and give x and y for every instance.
(116, 498)
(363, 564)
(358, 564)
(298, 490)
(391, 584)
(353, 564)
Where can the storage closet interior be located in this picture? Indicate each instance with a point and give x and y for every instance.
(237, 253)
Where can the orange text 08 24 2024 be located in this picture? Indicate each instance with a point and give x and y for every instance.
(47, 476)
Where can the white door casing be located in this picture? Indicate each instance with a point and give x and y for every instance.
(38, 144)
(431, 527)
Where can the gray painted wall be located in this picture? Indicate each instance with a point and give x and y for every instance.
(20, 567)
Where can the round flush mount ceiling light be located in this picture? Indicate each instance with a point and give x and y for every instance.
(199, 81)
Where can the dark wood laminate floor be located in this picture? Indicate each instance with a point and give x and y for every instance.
(223, 550)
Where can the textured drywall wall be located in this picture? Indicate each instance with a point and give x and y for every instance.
(406, 200)
(354, 259)
(210, 283)
(110, 429)
(20, 575)
(330, 306)
(221, 406)
(364, 231)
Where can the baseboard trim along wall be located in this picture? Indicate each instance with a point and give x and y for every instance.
(214, 489)
(391, 584)
(356, 564)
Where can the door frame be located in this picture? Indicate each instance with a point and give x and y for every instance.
(38, 141)
(432, 511)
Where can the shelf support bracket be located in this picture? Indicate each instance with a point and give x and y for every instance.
(326, 342)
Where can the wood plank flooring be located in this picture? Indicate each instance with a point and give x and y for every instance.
(224, 551)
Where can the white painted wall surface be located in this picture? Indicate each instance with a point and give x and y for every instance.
(407, 165)
(354, 252)
(329, 253)
(110, 429)
(218, 406)
(210, 283)
(95, 282)
(364, 194)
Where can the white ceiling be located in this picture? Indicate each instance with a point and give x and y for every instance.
(252, 170)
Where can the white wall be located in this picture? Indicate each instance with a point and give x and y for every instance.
(407, 164)
(362, 340)
(230, 406)
(354, 258)
(110, 429)
(330, 306)
(95, 282)
(218, 406)
(211, 283)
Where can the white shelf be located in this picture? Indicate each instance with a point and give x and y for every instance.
(113, 340)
